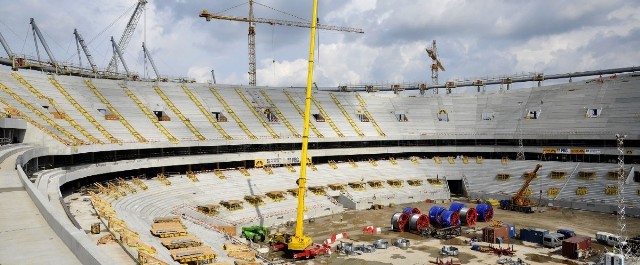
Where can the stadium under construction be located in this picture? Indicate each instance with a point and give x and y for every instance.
(104, 167)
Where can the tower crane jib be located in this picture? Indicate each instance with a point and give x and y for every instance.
(251, 36)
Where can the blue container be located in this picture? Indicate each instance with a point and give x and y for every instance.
(434, 214)
(446, 219)
(485, 212)
(407, 210)
(456, 206)
(566, 233)
(534, 235)
(512, 230)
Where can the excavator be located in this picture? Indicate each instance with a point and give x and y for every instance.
(298, 245)
(520, 202)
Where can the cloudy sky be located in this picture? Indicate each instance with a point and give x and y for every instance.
(475, 38)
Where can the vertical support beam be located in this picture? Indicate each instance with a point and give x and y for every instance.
(621, 247)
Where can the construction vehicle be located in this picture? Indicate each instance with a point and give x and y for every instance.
(520, 201)
(255, 233)
(298, 245)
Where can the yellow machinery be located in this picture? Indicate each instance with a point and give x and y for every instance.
(300, 242)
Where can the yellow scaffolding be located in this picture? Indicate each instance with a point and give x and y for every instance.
(150, 115)
(35, 123)
(295, 105)
(83, 111)
(279, 114)
(327, 118)
(363, 105)
(346, 115)
(258, 115)
(177, 111)
(206, 113)
(232, 113)
(113, 110)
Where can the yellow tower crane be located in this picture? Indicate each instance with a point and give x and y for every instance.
(436, 64)
(252, 32)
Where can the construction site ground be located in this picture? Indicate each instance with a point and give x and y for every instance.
(424, 250)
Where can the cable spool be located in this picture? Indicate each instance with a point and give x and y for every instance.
(394, 221)
(456, 206)
(449, 218)
(485, 212)
(468, 216)
(411, 210)
(403, 221)
(434, 214)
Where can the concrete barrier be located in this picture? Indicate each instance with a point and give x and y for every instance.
(75, 239)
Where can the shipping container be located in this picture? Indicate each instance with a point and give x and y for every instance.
(570, 246)
(495, 234)
(534, 235)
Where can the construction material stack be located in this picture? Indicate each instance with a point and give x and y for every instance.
(184, 248)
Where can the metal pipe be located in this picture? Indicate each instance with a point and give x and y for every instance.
(116, 49)
(502, 80)
(148, 55)
(44, 43)
(80, 40)
(6, 46)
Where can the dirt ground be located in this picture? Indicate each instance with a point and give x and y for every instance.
(425, 250)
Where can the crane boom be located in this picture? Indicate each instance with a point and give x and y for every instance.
(518, 199)
(252, 32)
(128, 32)
(6, 46)
(299, 241)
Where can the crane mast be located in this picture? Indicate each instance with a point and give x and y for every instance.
(252, 47)
(128, 32)
(252, 20)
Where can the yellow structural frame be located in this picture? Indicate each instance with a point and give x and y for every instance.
(299, 240)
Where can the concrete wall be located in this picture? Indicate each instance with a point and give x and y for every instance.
(75, 239)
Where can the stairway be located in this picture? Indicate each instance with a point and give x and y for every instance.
(346, 115)
(179, 114)
(57, 108)
(279, 114)
(83, 111)
(33, 122)
(313, 127)
(258, 115)
(114, 111)
(233, 114)
(206, 113)
(36, 111)
(150, 115)
(327, 118)
(369, 116)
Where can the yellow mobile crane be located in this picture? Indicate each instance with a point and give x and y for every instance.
(300, 242)
(300, 245)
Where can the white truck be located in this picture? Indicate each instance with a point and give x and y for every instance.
(552, 240)
(607, 238)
